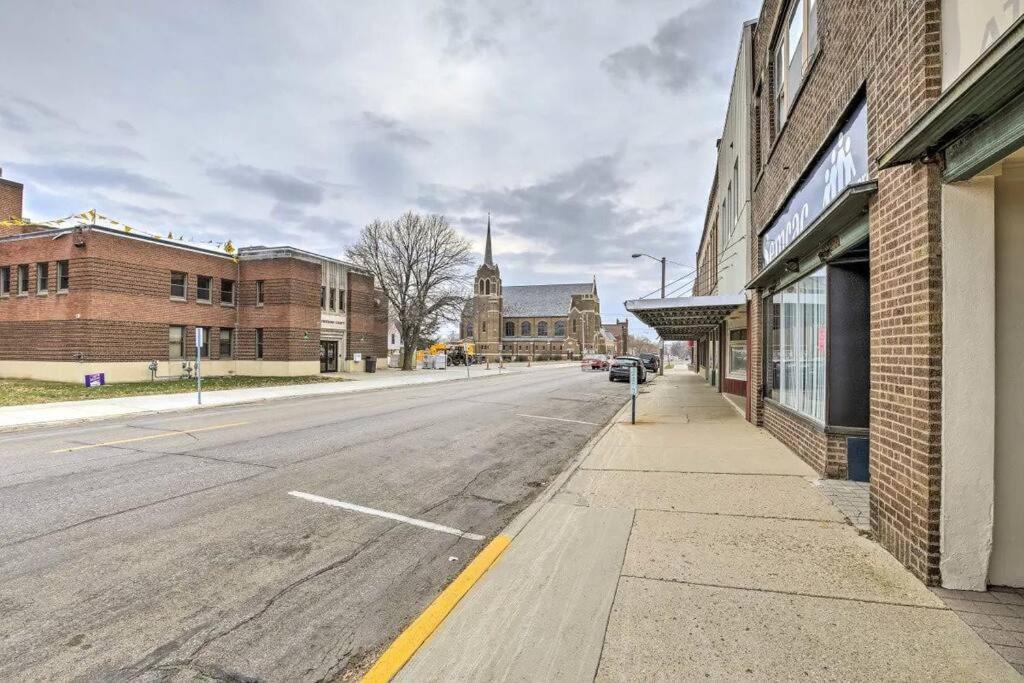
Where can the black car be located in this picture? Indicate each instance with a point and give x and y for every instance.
(620, 369)
(651, 361)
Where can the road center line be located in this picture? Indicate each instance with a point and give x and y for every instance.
(387, 515)
(559, 419)
(162, 435)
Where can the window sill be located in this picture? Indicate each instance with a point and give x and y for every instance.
(204, 302)
(178, 298)
(23, 294)
(42, 293)
(259, 304)
(62, 292)
(225, 305)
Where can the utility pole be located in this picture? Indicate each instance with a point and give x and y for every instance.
(661, 365)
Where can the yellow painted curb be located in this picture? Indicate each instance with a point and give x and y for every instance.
(410, 640)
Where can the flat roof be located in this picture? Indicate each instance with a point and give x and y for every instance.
(684, 318)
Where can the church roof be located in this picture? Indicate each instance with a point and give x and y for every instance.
(534, 301)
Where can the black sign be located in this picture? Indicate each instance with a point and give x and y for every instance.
(843, 163)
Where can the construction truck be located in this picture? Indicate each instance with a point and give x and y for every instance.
(457, 353)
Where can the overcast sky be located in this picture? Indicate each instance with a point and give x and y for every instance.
(586, 128)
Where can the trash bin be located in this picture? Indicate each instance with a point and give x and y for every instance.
(371, 364)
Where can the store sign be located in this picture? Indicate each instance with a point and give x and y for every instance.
(96, 379)
(844, 162)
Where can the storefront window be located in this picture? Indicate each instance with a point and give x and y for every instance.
(738, 354)
(796, 346)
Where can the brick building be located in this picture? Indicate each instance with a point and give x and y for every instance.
(886, 170)
(90, 296)
(619, 330)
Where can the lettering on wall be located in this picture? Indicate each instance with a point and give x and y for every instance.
(843, 163)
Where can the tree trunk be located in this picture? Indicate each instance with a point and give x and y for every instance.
(408, 356)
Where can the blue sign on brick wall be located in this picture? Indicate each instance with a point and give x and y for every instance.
(843, 163)
(96, 379)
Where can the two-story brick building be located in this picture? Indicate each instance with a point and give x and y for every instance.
(884, 294)
(89, 295)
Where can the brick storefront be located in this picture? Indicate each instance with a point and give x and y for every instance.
(886, 53)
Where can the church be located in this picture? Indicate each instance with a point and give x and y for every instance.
(538, 322)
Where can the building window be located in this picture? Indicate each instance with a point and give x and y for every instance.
(469, 329)
(63, 276)
(510, 329)
(227, 292)
(259, 292)
(525, 329)
(483, 326)
(175, 342)
(5, 281)
(559, 328)
(42, 278)
(259, 342)
(323, 298)
(341, 300)
(796, 336)
(542, 328)
(204, 348)
(204, 283)
(178, 287)
(738, 354)
(330, 300)
(227, 338)
(792, 56)
(22, 280)
(574, 325)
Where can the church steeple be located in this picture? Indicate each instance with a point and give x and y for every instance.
(488, 261)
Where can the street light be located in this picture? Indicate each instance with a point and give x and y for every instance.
(663, 260)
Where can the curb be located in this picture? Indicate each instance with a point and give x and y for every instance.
(409, 641)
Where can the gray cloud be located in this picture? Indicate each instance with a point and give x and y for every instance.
(676, 58)
(96, 177)
(24, 115)
(283, 187)
(393, 130)
(125, 127)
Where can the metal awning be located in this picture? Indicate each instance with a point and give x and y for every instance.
(685, 318)
(820, 234)
(988, 85)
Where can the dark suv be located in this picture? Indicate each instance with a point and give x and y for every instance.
(651, 361)
(620, 369)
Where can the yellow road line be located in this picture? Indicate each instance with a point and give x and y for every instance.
(163, 435)
(405, 645)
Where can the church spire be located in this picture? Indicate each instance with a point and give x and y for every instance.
(487, 260)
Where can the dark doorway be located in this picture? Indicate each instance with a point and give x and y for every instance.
(328, 356)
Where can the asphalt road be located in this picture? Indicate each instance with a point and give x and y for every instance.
(170, 547)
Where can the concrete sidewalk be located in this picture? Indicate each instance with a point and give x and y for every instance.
(693, 546)
(13, 417)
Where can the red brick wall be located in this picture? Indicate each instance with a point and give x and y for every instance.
(890, 48)
(11, 194)
(118, 305)
(367, 318)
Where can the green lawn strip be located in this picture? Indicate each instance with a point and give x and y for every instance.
(16, 392)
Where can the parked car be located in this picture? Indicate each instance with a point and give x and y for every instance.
(620, 369)
(652, 361)
(594, 361)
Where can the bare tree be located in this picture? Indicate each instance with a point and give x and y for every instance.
(421, 265)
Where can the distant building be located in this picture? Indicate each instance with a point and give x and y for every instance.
(619, 330)
(86, 295)
(532, 321)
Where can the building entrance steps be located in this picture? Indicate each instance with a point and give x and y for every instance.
(690, 546)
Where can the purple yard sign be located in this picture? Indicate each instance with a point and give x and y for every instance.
(96, 379)
(843, 163)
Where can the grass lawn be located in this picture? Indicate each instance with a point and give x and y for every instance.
(17, 392)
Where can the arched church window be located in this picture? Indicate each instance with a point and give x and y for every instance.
(510, 329)
(574, 325)
(469, 329)
(542, 328)
(559, 328)
(525, 328)
(483, 326)
(487, 285)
